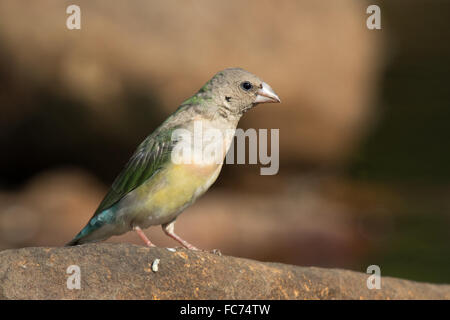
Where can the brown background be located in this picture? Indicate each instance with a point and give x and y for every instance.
(364, 161)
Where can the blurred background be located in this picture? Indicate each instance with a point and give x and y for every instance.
(364, 160)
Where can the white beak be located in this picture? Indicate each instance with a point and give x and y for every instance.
(266, 94)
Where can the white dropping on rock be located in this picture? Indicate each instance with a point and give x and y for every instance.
(155, 265)
(171, 249)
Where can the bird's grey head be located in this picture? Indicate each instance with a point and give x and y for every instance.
(236, 91)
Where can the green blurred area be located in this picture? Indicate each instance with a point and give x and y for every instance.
(410, 142)
(408, 150)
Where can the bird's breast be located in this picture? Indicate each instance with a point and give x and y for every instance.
(163, 197)
(182, 180)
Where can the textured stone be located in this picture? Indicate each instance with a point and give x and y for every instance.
(124, 271)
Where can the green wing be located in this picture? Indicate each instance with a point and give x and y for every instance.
(151, 155)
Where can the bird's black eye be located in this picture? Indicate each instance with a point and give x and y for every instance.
(246, 85)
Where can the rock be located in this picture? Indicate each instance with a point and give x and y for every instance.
(124, 271)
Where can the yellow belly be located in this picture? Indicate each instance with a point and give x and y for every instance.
(175, 187)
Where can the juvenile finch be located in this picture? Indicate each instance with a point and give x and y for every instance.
(153, 188)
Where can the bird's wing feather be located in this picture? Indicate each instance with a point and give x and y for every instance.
(151, 155)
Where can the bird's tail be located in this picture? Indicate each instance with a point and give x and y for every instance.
(90, 233)
(73, 242)
(80, 238)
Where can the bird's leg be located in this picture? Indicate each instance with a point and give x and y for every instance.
(169, 228)
(143, 236)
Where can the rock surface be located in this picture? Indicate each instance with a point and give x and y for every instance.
(124, 271)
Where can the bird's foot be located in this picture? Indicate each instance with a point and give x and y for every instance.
(141, 234)
(169, 230)
(190, 246)
(187, 245)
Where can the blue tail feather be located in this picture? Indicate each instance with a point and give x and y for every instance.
(96, 222)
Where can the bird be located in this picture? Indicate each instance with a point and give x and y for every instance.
(153, 189)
